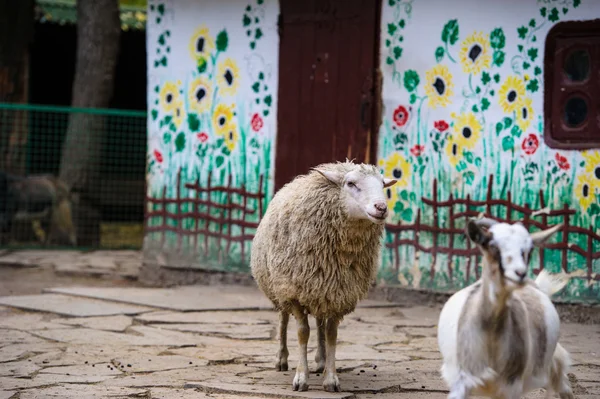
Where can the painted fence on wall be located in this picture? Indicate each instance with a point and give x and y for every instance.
(212, 84)
(463, 133)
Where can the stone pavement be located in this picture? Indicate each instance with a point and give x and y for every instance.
(219, 342)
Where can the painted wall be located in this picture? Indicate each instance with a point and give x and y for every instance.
(212, 85)
(463, 122)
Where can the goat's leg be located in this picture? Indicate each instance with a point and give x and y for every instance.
(558, 373)
(301, 378)
(459, 390)
(331, 382)
(321, 355)
(282, 354)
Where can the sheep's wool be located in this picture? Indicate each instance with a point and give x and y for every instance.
(307, 251)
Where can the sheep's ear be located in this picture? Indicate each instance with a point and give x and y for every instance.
(334, 177)
(477, 234)
(389, 182)
(540, 237)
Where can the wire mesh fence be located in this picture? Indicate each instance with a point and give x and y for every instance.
(71, 177)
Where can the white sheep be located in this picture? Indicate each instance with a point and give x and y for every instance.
(316, 251)
(499, 336)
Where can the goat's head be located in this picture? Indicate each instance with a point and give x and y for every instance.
(506, 248)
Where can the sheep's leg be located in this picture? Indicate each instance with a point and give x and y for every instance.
(301, 378)
(459, 390)
(331, 382)
(282, 354)
(320, 356)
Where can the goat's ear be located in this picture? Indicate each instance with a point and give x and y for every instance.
(332, 176)
(540, 237)
(477, 234)
(389, 182)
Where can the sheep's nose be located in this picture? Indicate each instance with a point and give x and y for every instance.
(520, 274)
(380, 206)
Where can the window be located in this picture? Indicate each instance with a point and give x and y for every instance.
(572, 85)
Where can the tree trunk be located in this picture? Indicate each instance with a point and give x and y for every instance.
(98, 34)
(16, 33)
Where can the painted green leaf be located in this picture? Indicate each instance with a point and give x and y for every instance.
(392, 28)
(387, 42)
(594, 209)
(516, 131)
(576, 3)
(193, 122)
(392, 3)
(266, 112)
(398, 207)
(248, 32)
(256, 87)
(520, 48)
(469, 177)
(439, 54)
(222, 40)
(404, 195)
(246, 20)
(261, 76)
(402, 23)
(522, 31)
(565, 10)
(507, 122)
(161, 40)
(256, 19)
(477, 90)
(534, 38)
(158, 19)
(485, 104)
(533, 85)
(413, 98)
(389, 61)
(508, 143)
(413, 197)
(161, 9)
(397, 52)
(407, 214)
(436, 148)
(497, 39)
(163, 61)
(259, 2)
(532, 22)
(168, 119)
(485, 78)
(462, 165)
(154, 114)
(252, 45)
(450, 32)
(172, 127)
(492, 92)
(268, 100)
(526, 65)
(168, 33)
(498, 58)
(258, 33)
(167, 138)
(537, 70)
(219, 160)
(497, 78)
(475, 108)
(201, 64)
(532, 53)
(468, 156)
(168, 49)
(400, 38)
(543, 11)
(411, 80)
(226, 151)
(478, 162)
(553, 16)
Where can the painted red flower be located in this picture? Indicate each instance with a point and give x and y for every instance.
(257, 122)
(400, 116)
(417, 150)
(562, 161)
(441, 125)
(158, 156)
(530, 144)
(203, 137)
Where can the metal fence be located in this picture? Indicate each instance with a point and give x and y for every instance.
(61, 163)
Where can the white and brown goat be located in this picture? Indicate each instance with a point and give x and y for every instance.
(499, 336)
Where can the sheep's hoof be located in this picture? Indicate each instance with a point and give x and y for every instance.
(320, 368)
(281, 366)
(331, 383)
(300, 382)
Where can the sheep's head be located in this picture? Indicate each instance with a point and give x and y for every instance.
(361, 189)
(506, 248)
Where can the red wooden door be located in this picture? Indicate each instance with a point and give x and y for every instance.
(327, 63)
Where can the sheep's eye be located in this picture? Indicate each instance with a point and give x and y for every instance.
(351, 184)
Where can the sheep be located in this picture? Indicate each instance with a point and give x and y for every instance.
(316, 251)
(499, 336)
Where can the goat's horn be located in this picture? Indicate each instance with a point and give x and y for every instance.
(539, 237)
(485, 222)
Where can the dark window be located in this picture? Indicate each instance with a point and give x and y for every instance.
(572, 85)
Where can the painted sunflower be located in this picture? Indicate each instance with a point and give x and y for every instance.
(454, 152)
(511, 92)
(397, 167)
(524, 113)
(169, 97)
(475, 53)
(199, 94)
(230, 134)
(178, 113)
(438, 87)
(201, 44)
(592, 166)
(228, 77)
(467, 130)
(585, 190)
(222, 118)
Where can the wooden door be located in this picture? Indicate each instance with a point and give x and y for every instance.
(327, 63)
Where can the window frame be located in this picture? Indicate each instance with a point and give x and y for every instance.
(562, 40)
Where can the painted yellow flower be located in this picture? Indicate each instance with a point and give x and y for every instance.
(169, 96)
(201, 44)
(524, 113)
(222, 118)
(199, 94)
(511, 92)
(585, 190)
(438, 87)
(397, 167)
(592, 166)
(454, 152)
(467, 130)
(230, 134)
(475, 53)
(229, 77)
(178, 113)
(391, 197)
